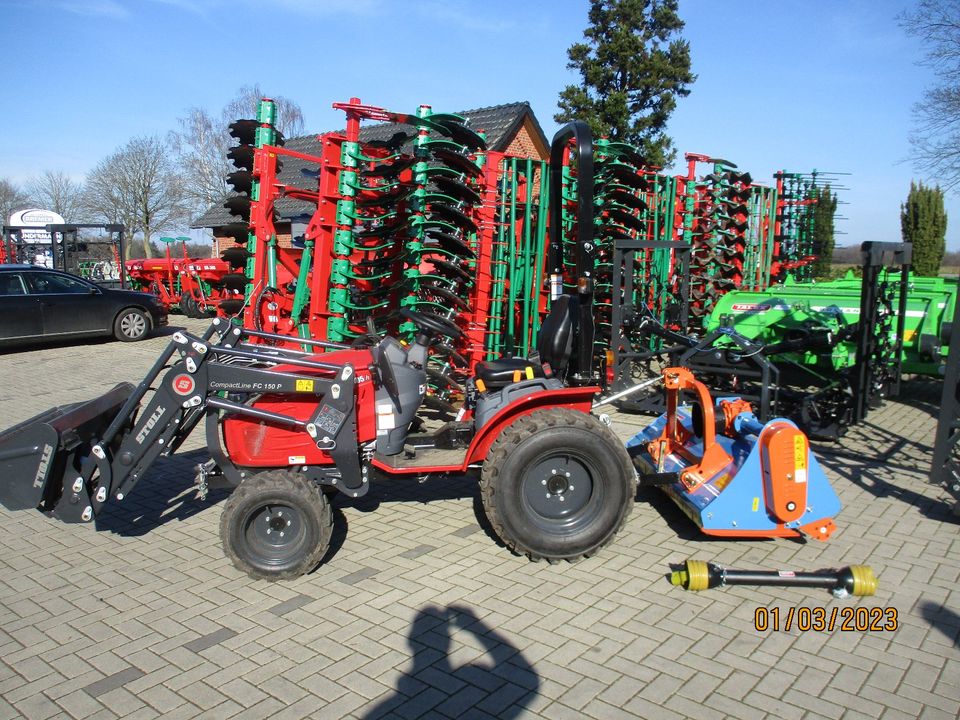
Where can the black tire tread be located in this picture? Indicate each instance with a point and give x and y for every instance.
(523, 428)
(266, 483)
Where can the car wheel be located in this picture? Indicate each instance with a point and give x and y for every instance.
(131, 325)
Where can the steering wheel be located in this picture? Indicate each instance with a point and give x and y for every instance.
(433, 323)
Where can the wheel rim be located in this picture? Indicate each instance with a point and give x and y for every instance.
(559, 492)
(133, 325)
(274, 534)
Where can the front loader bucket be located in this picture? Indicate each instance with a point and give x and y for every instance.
(36, 454)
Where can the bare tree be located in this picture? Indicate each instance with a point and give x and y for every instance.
(12, 199)
(202, 141)
(54, 190)
(935, 139)
(137, 186)
(201, 146)
(244, 105)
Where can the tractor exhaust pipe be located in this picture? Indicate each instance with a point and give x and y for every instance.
(857, 580)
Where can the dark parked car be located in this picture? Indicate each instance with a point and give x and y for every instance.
(37, 303)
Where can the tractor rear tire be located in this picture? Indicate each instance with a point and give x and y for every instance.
(276, 525)
(557, 485)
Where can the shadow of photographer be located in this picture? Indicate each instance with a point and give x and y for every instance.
(502, 686)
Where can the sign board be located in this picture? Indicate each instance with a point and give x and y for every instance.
(31, 225)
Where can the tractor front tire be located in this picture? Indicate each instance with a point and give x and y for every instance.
(557, 485)
(276, 525)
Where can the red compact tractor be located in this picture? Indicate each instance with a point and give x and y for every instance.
(286, 428)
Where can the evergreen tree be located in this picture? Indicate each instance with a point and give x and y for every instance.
(923, 222)
(824, 211)
(633, 65)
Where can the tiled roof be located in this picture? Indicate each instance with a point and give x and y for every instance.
(500, 122)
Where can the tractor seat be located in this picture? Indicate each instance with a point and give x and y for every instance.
(554, 345)
(503, 371)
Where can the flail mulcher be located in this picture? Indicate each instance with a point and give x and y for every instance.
(287, 428)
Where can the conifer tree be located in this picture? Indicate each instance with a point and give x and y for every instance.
(633, 64)
(923, 222)
(824, 210)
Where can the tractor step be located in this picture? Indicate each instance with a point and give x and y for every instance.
(424, 457)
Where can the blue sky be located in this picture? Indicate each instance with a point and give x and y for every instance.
(782, 85)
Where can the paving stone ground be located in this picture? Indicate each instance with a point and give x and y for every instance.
(417, 611)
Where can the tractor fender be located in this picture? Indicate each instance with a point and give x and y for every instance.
(575, 398)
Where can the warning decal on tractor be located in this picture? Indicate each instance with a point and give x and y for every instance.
(304, 385)
(183, 384)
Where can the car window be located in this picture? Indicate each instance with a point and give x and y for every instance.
(12, 284)
(51, 283)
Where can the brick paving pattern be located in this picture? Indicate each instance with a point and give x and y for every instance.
(417, 612)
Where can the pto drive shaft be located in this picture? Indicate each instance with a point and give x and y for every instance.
(852, 580)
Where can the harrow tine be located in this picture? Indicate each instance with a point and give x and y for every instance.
(626, 199)
(439, 376)
(231, 307)
(451, 243)
(390, 169)
(239, 231)
(626, 219)
(244, 130)
(460, 133)
(236, 257)
(445, 294)
(381, 230)
(379, 291)
(625, 175)
(398, 192)
(456, 160)
(239, 206)
(393, 143)
(453, 215)
(241, 181)
(242, 156)
(236, 282)
(377, 262)
(444, 348)
(451, 268)
(455, 188)
(627, 152)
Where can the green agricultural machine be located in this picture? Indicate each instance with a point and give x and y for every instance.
(793, 311)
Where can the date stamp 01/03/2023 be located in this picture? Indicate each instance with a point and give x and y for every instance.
(821, 619)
